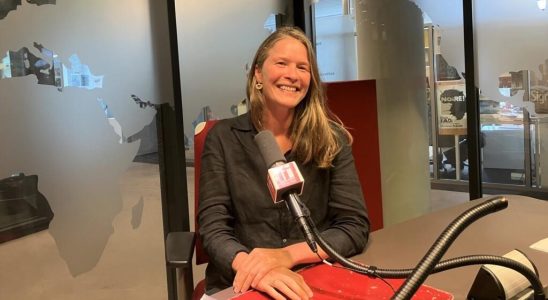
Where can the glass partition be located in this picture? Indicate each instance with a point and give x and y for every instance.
(512, 68)
(217, 41)
(216, 45)
(414, 51)
(336, 40)
(366, 40)
(444, 58)
(79, 81)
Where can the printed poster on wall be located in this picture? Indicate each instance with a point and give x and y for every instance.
(451, 101)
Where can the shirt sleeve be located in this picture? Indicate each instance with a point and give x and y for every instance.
(215, 214)
(348, 232)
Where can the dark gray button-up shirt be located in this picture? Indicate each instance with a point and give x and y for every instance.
(236, 212)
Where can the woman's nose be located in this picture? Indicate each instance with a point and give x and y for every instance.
(291, 73)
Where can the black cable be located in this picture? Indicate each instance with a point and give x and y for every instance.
(376, 276)
(318, 254)
(436, 251)
(440, 246)
(440, 267)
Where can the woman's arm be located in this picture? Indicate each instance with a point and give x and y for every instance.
(215, 214)
(252, 267)
(348, 230)
(274, 278)
(216, 217)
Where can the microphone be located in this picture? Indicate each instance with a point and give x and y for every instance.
(285, 183)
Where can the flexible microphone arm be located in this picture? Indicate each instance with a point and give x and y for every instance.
(444, 265)
(481, 209)
(440, 246)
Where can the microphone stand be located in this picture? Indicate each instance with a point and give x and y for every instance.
(302, 217)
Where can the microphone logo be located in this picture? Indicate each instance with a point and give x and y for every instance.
(284, 178)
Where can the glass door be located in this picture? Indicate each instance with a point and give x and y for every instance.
(398, 44)
(512, 67)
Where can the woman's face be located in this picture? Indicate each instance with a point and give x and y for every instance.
(285, 74)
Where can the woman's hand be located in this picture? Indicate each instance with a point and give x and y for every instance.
(281, 283)
(251, 268)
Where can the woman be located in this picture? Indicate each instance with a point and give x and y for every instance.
(251, 241)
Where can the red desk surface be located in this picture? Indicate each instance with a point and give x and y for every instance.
(329, 283)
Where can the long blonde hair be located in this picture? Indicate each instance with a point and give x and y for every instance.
(313, 131)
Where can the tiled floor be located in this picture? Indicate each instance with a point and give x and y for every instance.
(132, 263)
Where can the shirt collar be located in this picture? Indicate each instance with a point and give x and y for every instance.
(243, 123)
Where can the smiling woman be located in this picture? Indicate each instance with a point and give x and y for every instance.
(295, 66)
(285, 75)
(251, 241)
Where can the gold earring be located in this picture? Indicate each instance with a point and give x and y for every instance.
(259, 86)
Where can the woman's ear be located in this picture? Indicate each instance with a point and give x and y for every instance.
(258, 75)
